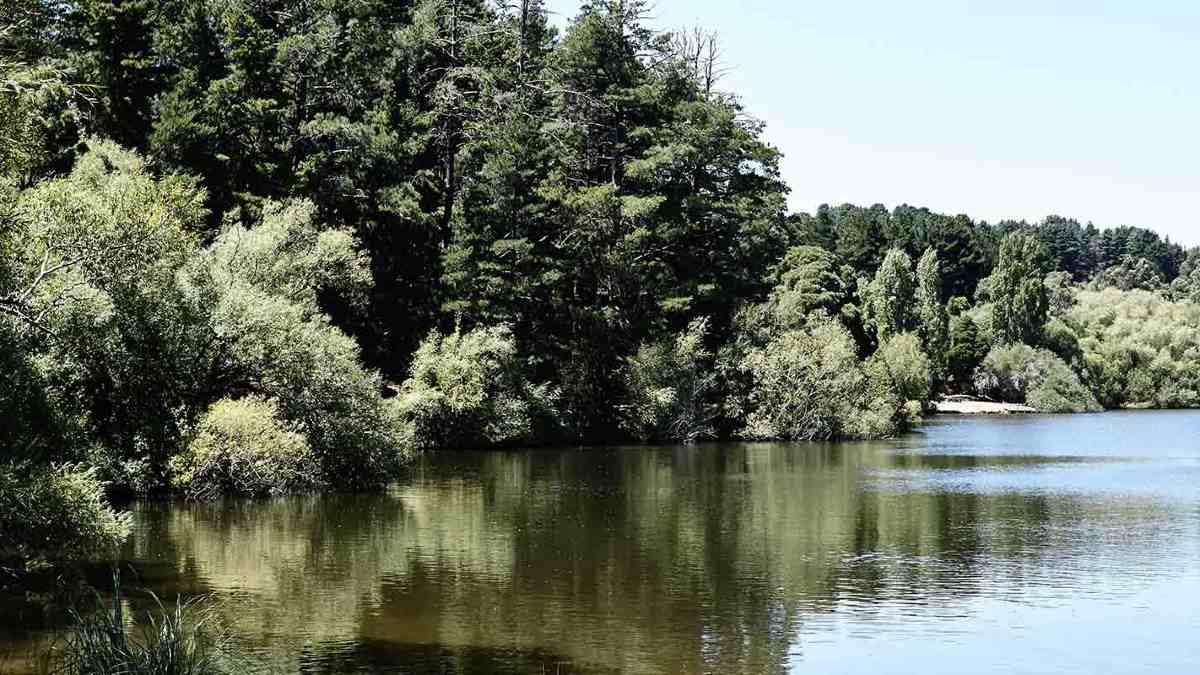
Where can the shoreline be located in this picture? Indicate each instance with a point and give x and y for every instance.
(964, 405)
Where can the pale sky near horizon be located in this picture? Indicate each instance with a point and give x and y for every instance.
(1016, 109)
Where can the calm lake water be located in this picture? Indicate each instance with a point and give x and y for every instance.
(1042, 544)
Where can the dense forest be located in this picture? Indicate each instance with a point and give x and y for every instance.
(262, 246)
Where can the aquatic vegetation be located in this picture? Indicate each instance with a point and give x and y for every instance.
(181, 640)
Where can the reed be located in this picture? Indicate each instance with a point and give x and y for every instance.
(179, 640)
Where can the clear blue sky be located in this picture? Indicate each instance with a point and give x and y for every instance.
(1000, 109)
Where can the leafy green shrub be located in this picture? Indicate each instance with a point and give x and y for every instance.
(29, 420)
(137, 329)
(1060, 293)
(241, 447)
(808, 384)
(907, 367)
(56, 513)
(469, 389)
(668, 386)
(1018, 373)
(92, 278)
(1060, 338)
(312, 371)
(1139, 348)
(259, 287)
(289, 254)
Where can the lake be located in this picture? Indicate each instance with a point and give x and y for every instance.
(1027, 544)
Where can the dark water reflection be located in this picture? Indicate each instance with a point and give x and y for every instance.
(1031, 544)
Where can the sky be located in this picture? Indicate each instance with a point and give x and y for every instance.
(1001, 109)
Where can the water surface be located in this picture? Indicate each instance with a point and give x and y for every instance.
(1041, 544)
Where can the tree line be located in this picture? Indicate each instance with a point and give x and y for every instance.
(261, 246)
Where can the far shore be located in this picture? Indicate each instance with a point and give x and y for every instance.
(966, 405)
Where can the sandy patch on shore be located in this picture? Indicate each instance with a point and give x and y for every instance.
(961, 405)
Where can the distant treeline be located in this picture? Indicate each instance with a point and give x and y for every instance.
(262, 246)
(860, 236)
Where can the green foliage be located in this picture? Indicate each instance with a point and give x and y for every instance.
(1018, 373)
(282, 351)
(259, 288)
(1060, 293)
(1084, 252)
(242, 448)
(469, 390)
(1187, 285)
(890, 297)
(290, 255)
(907, 366)
(1130, 273)
(331, 181)
(38, 113)
(670, 384)
(806, 280)
(957, 306)
(1139, 348)
(183, 640)
(56, 513)
(1060, 338)
(92, 290)
(808, 384)
(967, 349)
(132, 331)
(932, 320)
(1020, 300)
(30, 422)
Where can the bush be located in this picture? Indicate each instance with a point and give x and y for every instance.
(289, 254)
(94, 265)
(668, 386)
(1018, 373)
(56, 513)
(469, 389)
(145, 329)
(1139, 348)
(241, 447)
(907, 367)
(259, 287)
(1061, 339)
(808, 384)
